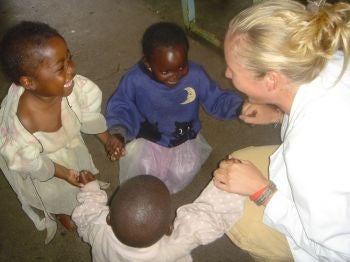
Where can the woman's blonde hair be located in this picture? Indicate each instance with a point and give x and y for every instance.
(283, 36)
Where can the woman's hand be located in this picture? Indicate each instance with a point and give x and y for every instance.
(258, 114)
(239, 176)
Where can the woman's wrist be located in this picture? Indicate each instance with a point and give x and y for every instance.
(257, 194)
(263, 195)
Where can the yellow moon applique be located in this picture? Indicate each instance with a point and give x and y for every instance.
(191, 95)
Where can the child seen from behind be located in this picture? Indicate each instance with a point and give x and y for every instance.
(138, 226)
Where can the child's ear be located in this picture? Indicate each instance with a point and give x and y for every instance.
(170, 230)
(108, 219)
(144, 60)
(26, 82)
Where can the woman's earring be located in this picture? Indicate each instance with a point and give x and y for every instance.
(149, 69)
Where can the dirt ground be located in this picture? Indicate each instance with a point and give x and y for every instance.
(104, 38)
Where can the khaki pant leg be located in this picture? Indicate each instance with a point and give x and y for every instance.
(249, 233)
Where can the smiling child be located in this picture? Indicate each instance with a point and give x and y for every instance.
(155, 110)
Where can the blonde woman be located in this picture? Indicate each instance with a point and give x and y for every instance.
(292, 63)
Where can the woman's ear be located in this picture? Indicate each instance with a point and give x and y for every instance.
(272, 80)
(27, 82)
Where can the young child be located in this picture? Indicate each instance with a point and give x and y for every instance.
(157, 102)
(46, 108)
(137, 225)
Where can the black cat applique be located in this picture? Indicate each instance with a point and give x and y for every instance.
(183, 132)
(149, 131)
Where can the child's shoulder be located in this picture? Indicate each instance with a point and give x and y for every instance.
(197, 71)
(12, 132)
(9, 104)
(135, 75)
(84, 84)
(135, 70)
(85, 91)
(82, 81)
(195, 67)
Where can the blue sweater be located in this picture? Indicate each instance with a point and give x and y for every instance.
(146, 108)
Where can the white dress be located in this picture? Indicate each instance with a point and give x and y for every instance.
(175, 166)
(27, 159)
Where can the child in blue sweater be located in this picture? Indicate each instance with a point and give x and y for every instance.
(155, 110)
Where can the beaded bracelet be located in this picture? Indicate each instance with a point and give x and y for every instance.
(258, 193)
(271, 188)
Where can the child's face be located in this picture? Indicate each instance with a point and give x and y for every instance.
(168, 64)
(54, 74)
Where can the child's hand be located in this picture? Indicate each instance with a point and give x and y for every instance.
(72, 177)
(69, 175)
(85, 177)
(115, 147)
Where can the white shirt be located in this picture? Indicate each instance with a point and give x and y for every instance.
(198, 223)
(312, 172)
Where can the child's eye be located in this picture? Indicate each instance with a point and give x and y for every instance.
(60, 69)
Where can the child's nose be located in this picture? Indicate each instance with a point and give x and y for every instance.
(178, 75)
(71, 69)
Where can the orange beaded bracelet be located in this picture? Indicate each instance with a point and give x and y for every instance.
(258, 193)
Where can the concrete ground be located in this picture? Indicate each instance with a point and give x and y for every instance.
(104, 38)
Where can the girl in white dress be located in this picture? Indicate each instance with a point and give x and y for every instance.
(41, 120)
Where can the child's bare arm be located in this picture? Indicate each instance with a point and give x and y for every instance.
(70, 175)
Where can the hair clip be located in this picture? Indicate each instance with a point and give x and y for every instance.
(315, 5)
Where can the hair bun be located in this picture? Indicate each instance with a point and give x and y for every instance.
(315, 5)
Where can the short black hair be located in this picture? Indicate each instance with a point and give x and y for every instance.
(18, 44)
(140, 211)
(163, 34)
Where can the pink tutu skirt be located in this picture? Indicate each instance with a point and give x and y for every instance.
(175, 166)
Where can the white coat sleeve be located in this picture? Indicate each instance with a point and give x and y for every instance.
(316, 156)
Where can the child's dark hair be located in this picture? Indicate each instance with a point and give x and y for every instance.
(18, 46)
(163, 34)
(140, 211)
